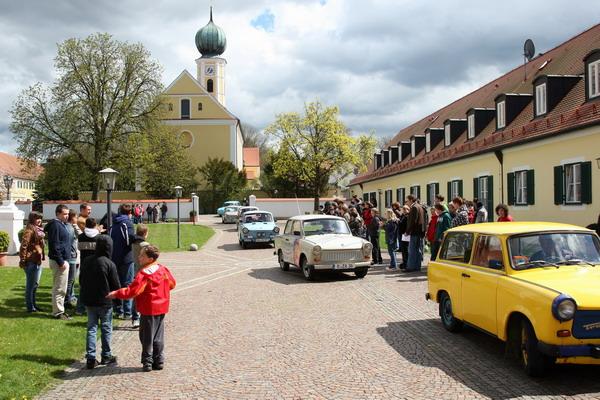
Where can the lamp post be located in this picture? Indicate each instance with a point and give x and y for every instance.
(109, 177)
(8, 181)
(192, 196)
(178, 190)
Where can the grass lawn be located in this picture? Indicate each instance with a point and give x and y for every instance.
(164, 235)
(34, 348)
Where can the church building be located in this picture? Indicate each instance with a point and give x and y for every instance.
(195, 106)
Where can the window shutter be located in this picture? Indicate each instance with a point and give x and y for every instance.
(437, 188)
(510, 183)
(427, 191)
(586, 182)
(476, 188)
(449, 198)
(460, 188)
(530, 187)
(490, 187)
(559, 185)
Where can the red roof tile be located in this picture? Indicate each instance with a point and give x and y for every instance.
(251, 157)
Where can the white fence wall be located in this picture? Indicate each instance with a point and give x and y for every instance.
(285, 208)
(25, 207)
(99, 208)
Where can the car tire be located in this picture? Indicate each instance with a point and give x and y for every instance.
(307, 270)
(244, 245)
(447, 316)
(361, 272)
(285, 266)
(533, 361)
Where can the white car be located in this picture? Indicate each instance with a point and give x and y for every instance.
(230, 214)
(242, 210)
(322, 242)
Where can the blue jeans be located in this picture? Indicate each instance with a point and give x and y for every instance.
(392, 253)
(33, 273)
(415, 253)
(104, 315)
(126, 272)
(71, 281)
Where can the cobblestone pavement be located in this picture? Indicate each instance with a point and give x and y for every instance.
(240, 328)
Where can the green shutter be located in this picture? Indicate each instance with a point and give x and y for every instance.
(460, 188)
(490, 184)
(449, 198)
(510, 183)
(586, 182)
(427, 191)
(559, 185)
(437, 188)
(402, 196)
(530, 187)
(476, 188)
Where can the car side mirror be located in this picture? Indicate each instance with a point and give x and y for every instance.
(296, 233)
(495, 264)
(274, 219)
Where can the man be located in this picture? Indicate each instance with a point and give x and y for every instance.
(548, 251)
(84, 212)
(416, 231)
(481, 214)
(163, 212)
(59, 251)
(122, 234)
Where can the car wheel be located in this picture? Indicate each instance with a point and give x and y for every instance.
(361, 272)
(244, 245)
(534, 362)
(282, 264)
(448, 320)
(307, 270)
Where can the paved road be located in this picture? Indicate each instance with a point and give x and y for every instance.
(240, 328)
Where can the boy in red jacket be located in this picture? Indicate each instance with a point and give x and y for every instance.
(151, 289)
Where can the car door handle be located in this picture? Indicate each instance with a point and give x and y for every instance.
(466, 275)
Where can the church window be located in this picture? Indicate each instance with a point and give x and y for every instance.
(199, 106)
(185, 109)
(170, 106)
(209, 85)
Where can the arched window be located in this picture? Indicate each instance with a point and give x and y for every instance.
(185, 109)
(209, 85)
(199, 106)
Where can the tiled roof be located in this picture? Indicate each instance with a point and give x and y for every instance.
(572, 111)
(12, 165)
(251, 157)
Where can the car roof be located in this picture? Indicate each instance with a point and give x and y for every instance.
(257, 212)
(514, 228)
(313, 217)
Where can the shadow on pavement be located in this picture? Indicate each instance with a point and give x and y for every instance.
(80, 371)
(294, 276)
(237, 247)
(478, 361)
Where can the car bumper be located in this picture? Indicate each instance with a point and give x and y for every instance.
(331, 267)
(586, 350)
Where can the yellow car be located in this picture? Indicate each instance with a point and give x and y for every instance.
(533, 285)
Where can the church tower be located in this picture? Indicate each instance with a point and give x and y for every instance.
(211, 43)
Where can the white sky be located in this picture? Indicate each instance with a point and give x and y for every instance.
(386, 63)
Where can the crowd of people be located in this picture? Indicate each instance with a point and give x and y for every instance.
(410, 226)
(114, 266)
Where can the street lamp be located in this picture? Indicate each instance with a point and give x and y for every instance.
(109, 177)
(8, 181)
(178, 190)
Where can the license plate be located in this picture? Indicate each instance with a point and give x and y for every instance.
(262, 240)
(343, 266)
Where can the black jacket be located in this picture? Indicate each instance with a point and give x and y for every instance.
(59, 242)
(98, 275)
(87, 242)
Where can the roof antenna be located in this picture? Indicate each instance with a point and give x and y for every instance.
(528, 53)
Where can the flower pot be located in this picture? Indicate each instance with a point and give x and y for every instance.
(3, 259)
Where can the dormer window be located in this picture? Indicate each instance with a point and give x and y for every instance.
(413, 148)
(501, 114)
(427, 142)
(540, 99)
(447, 140)
(471, 126)
(594, 79)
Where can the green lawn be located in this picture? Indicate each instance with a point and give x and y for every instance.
(34, 348)
(164, 235)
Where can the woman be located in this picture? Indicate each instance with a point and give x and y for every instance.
(404, 238)
(74, 232)
(391, 237)
(31, 255)
(502, 213)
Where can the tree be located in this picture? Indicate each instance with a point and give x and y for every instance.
(223, 178)
(290, 185)
(255, 138)
(62, 179)
(106, 90)
(315, 145)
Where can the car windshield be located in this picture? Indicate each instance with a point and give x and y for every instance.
(554, 249)
(325, 226)
(231, 209)
(259, 217)
(231, 203)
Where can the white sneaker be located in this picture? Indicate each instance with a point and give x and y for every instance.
(135, 323)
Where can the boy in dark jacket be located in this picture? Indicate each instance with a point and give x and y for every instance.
(122, 234)
(99, 277)
(373, 230)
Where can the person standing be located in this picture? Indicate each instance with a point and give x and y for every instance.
(163, 212)
(367, 216)
(122, 235)
(373, 229)
(415, 228)
(502, 212)
(404, 238)
(97, 279)
(73, 230)
(84, 212)
(31, 255)
(155, 213)
(149, 212)
(462, 214)
(391, 238)
(59, 251)
(481, 213)
(444, 221)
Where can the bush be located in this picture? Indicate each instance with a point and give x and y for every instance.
(193, 213)
(4, 242)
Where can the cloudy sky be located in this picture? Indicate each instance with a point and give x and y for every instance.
(386, 63)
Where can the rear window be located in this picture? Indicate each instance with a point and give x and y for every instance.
(457, 247)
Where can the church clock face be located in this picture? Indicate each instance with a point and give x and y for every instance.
(209, 70)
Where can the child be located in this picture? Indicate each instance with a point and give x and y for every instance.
(139, 241)
(97, 279)
(391, 237)
(151, 287)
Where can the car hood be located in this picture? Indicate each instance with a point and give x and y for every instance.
(259, 226)
(336, 242)
(579, 282)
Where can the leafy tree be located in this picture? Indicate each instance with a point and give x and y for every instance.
(315, 145)
(62, 179)
(290, 185)
(106, 90)
(223, 179)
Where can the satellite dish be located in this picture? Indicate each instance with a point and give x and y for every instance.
(529, 49)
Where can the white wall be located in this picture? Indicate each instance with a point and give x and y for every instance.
(285, 208)
(99, 208)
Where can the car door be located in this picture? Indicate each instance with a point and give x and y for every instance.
(480, 283)
(450, 265)
(287, 241)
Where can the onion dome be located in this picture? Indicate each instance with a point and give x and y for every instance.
(210, 40)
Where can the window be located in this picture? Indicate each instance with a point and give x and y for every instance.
(432, 190)
(199, 106)
(185, 109)
(540, 99)
(501, 115)
(209, 85)
(400, 195)
(482, 195)
(471, 126)
(488, 252)
(288, 227)
(594, 79)
(427, 142)
(454, 189)
(373, 198)
(520, 187)
(573, 183)
(170, 106)
(388, 198)
(365, 197)
(413, 148)
(447, 135)
(457, 247)
(296, 228)
(416, 191)
(483, 191)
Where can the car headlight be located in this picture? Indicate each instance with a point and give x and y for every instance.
(245, 230)
(276, 229)
(316, 250)
(564, 307)
(367, 248)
